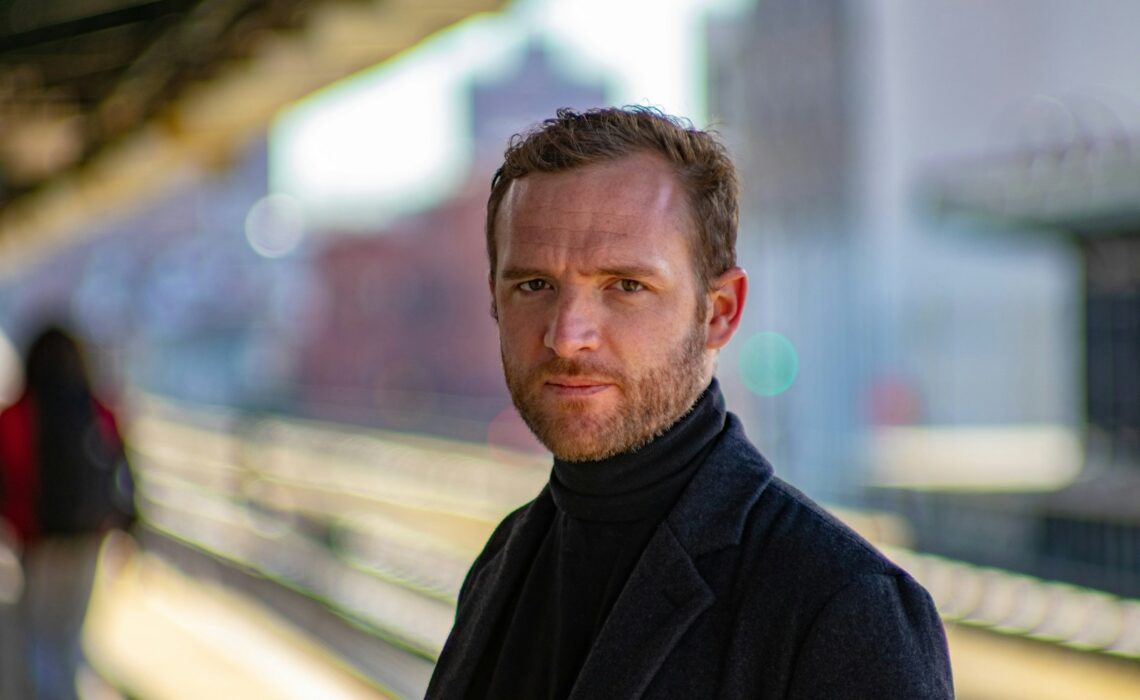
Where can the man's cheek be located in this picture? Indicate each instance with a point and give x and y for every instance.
(518, 326)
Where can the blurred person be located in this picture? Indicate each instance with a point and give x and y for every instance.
(663, 559)
(64, 482)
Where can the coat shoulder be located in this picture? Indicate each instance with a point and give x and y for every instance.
(795, 523)
(736, 500)
(851, 622)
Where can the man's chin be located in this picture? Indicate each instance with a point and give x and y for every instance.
(576, 438)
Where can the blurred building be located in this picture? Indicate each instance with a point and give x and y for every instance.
(504, 105)
(176, 296)
(938, 212)
(1084, 188)
(405, 339)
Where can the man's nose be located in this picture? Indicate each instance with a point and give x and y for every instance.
(574, 327)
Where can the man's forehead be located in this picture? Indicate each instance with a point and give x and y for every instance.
(557, 218)
(614, 196)
(616, 247)
(569, 229)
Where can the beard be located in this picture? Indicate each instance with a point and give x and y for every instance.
(650, 400)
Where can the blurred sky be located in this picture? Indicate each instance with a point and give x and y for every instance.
(393, 139)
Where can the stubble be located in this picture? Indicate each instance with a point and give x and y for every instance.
(650, 401)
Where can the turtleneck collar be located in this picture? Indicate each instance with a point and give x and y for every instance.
(645, 482)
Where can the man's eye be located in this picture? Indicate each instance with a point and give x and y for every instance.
(630, 286)
(533, 285)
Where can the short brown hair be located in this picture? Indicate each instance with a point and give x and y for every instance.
(573, 139)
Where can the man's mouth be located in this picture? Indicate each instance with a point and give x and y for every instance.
(576, 386)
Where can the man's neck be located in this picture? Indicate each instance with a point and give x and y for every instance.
(602, 488)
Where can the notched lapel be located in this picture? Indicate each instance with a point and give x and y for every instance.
(664, 595)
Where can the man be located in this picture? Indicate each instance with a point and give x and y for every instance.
(663, 559)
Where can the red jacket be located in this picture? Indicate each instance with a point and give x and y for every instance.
(19, 481)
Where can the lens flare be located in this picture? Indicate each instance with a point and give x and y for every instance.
(274, 225)
(768, 363)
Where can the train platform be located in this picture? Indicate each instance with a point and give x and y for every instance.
(283, 559)
(156, 632)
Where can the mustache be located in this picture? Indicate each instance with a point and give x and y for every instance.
(562, 367)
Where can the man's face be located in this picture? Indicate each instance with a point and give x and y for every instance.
(603, 340)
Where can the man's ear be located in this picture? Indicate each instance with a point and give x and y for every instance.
(494, 306)
(725, 306)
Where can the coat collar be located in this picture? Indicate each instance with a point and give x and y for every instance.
(666, 592)
(714, 508)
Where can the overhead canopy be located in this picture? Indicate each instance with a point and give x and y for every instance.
(103, 102)
(1070, 163)
(1081, 194)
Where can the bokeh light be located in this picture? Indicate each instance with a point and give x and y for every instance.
(768, 363)
(274, 225)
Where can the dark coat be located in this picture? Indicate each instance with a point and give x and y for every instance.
(747, 589)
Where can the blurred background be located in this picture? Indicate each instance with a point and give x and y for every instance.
(265, 219)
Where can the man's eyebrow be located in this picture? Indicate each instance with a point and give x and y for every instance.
(623, 271)
(629, 271)
(520, 273)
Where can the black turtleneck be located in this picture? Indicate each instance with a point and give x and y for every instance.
(606, 512)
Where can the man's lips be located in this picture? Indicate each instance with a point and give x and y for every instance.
(576, 386)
